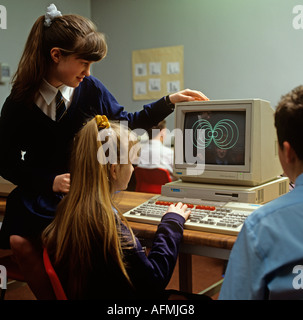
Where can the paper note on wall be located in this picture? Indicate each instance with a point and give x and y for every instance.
(157, 72)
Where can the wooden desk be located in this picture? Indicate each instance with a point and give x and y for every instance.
(194, 242)
(2, 205)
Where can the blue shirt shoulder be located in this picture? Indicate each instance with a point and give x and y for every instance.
(267, 249)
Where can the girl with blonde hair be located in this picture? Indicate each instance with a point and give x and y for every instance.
(88, 231)
(52, 95)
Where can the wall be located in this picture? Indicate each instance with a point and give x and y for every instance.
(21, 15)
(232, 48)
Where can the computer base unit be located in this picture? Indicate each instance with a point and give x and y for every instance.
(212, 192)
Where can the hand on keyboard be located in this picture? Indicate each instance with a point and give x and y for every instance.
(180, 209)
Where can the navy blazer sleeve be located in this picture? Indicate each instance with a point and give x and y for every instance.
(94, 94)
(153, 272)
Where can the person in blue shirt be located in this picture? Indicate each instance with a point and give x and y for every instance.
(266, 261)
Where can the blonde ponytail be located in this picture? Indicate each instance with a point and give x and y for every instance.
(87, 217)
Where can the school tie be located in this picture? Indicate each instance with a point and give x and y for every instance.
(60, 106)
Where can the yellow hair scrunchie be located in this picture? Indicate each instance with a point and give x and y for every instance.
(102, 122)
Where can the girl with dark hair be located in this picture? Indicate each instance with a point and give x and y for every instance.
(52, 96)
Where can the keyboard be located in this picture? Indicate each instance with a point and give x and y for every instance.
(207, 216)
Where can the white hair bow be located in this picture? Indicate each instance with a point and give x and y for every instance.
(51, 13)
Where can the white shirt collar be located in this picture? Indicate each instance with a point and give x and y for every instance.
(49, 92)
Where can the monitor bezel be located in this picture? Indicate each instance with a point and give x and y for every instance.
(203, 106)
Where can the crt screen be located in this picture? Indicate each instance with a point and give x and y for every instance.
(224, 136)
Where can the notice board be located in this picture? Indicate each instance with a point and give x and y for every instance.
(157, 72)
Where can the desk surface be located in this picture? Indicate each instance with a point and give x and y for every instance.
(2, 205)
(127, 200)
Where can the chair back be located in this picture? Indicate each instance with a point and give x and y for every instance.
(56, 284)
(151, 180)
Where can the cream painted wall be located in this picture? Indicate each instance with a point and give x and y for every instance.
(232, 48)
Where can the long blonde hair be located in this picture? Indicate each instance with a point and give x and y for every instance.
(73, 34)
(85, 218)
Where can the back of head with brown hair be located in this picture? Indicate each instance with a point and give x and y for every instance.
(289, 120)
(156, 129)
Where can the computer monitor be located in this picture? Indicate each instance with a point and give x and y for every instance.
(239, 142)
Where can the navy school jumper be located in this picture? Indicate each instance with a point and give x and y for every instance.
(47, 147)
